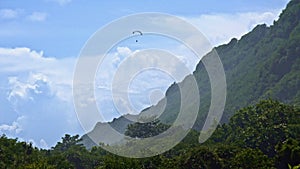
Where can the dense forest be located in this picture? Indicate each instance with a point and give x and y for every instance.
(265, 135)
(260, 127)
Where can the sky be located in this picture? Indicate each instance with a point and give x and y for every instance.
(40, 41)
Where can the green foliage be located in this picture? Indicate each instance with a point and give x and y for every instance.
(261, 126)
(14, 154)
(67, 143)
(147, 129)
(288, 153)
(201, 157)
(252, 159)
(294, 167)
(265, 135)
(71, 150)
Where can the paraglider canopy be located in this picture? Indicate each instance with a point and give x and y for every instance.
(139, 32)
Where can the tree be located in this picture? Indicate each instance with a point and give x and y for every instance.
(71, 149)
(144, 130)
(251, 159)
(261, 126)
(201, 157)
(67, 142)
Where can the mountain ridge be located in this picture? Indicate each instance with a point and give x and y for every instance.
(264, 63)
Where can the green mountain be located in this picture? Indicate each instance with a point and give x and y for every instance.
(263, 64)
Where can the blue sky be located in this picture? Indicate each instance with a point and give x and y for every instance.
(61, 27)
(41, 40)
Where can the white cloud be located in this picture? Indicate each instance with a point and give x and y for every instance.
(39, 88)
(9, 13)
(43, 144)
(61, 2)
(219, 28)
(37, 16)
(14, 128)
(22, 90)
(5, 127)
(57, 73)
(124, 61)
(124, 51)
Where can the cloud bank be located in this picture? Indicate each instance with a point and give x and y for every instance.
(36, 92)
(220, 28)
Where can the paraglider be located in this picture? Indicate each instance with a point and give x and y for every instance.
(137, 32)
